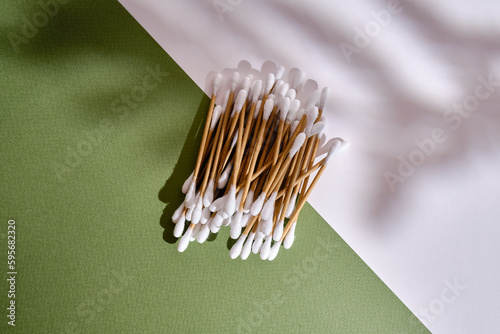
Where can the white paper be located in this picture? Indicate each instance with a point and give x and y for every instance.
(434, 240)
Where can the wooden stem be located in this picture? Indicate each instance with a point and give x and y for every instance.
(302, 201)
(204, 137)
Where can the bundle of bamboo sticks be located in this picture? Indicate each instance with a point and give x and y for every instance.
(256, 158)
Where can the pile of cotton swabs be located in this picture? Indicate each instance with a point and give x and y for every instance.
(255, 161)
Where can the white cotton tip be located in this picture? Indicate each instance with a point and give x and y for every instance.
(197, 211)
(179, 227)
(214, 228)
(184, 242)
(230, 203)
(294, 107)
(187, 183)
(247, 247)
(336, 146)
(215, 117)
(325, 94)
(298, 81)
(268, 108)
(257, 109)
(191, 195)
(274, 251)
(283, 89)
(297, 144)
(292, 113)
(278, 230)
(307, 130)
(226, 221)
(317, 128)
(311, 114)
(279, 72)
(245, 219)
(248, 202)
(236, 225)
(225, 101)
(235, 80)
(284, 108)
(293, 127)
(240, 100)
(208, 198)
(268, 208)
(256, 90)
(246, 84)
(195, 232)
(205, 215)
(217, 204)
(270, 80)
(204, 233)
(300, 114)
(178, 213)
(189, 213)
(237, 247)
(266, 248)
(257, 204)
(271, 97)
(217, 82)
(224, 178)
(257, 244)
(265, 226)
(218, 220)
(292, 93)
(313, 99)
(278, 84)
(291, 206)
(290, 237)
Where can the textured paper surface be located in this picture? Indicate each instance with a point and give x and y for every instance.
(91, 253)
(398, 71)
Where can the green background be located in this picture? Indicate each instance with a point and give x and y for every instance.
(94, 247)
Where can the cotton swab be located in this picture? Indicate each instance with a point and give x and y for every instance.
(255, 159)
(191, 190)
(334, 149)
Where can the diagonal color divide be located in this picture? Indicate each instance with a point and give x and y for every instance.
(413, 196)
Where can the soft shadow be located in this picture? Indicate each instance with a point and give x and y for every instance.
(171, 193)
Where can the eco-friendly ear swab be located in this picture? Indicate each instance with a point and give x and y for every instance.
(191, 190)
(303, 198)
(257, 153)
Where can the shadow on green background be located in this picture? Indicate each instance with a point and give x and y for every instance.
(170, 193)
(92, 257)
